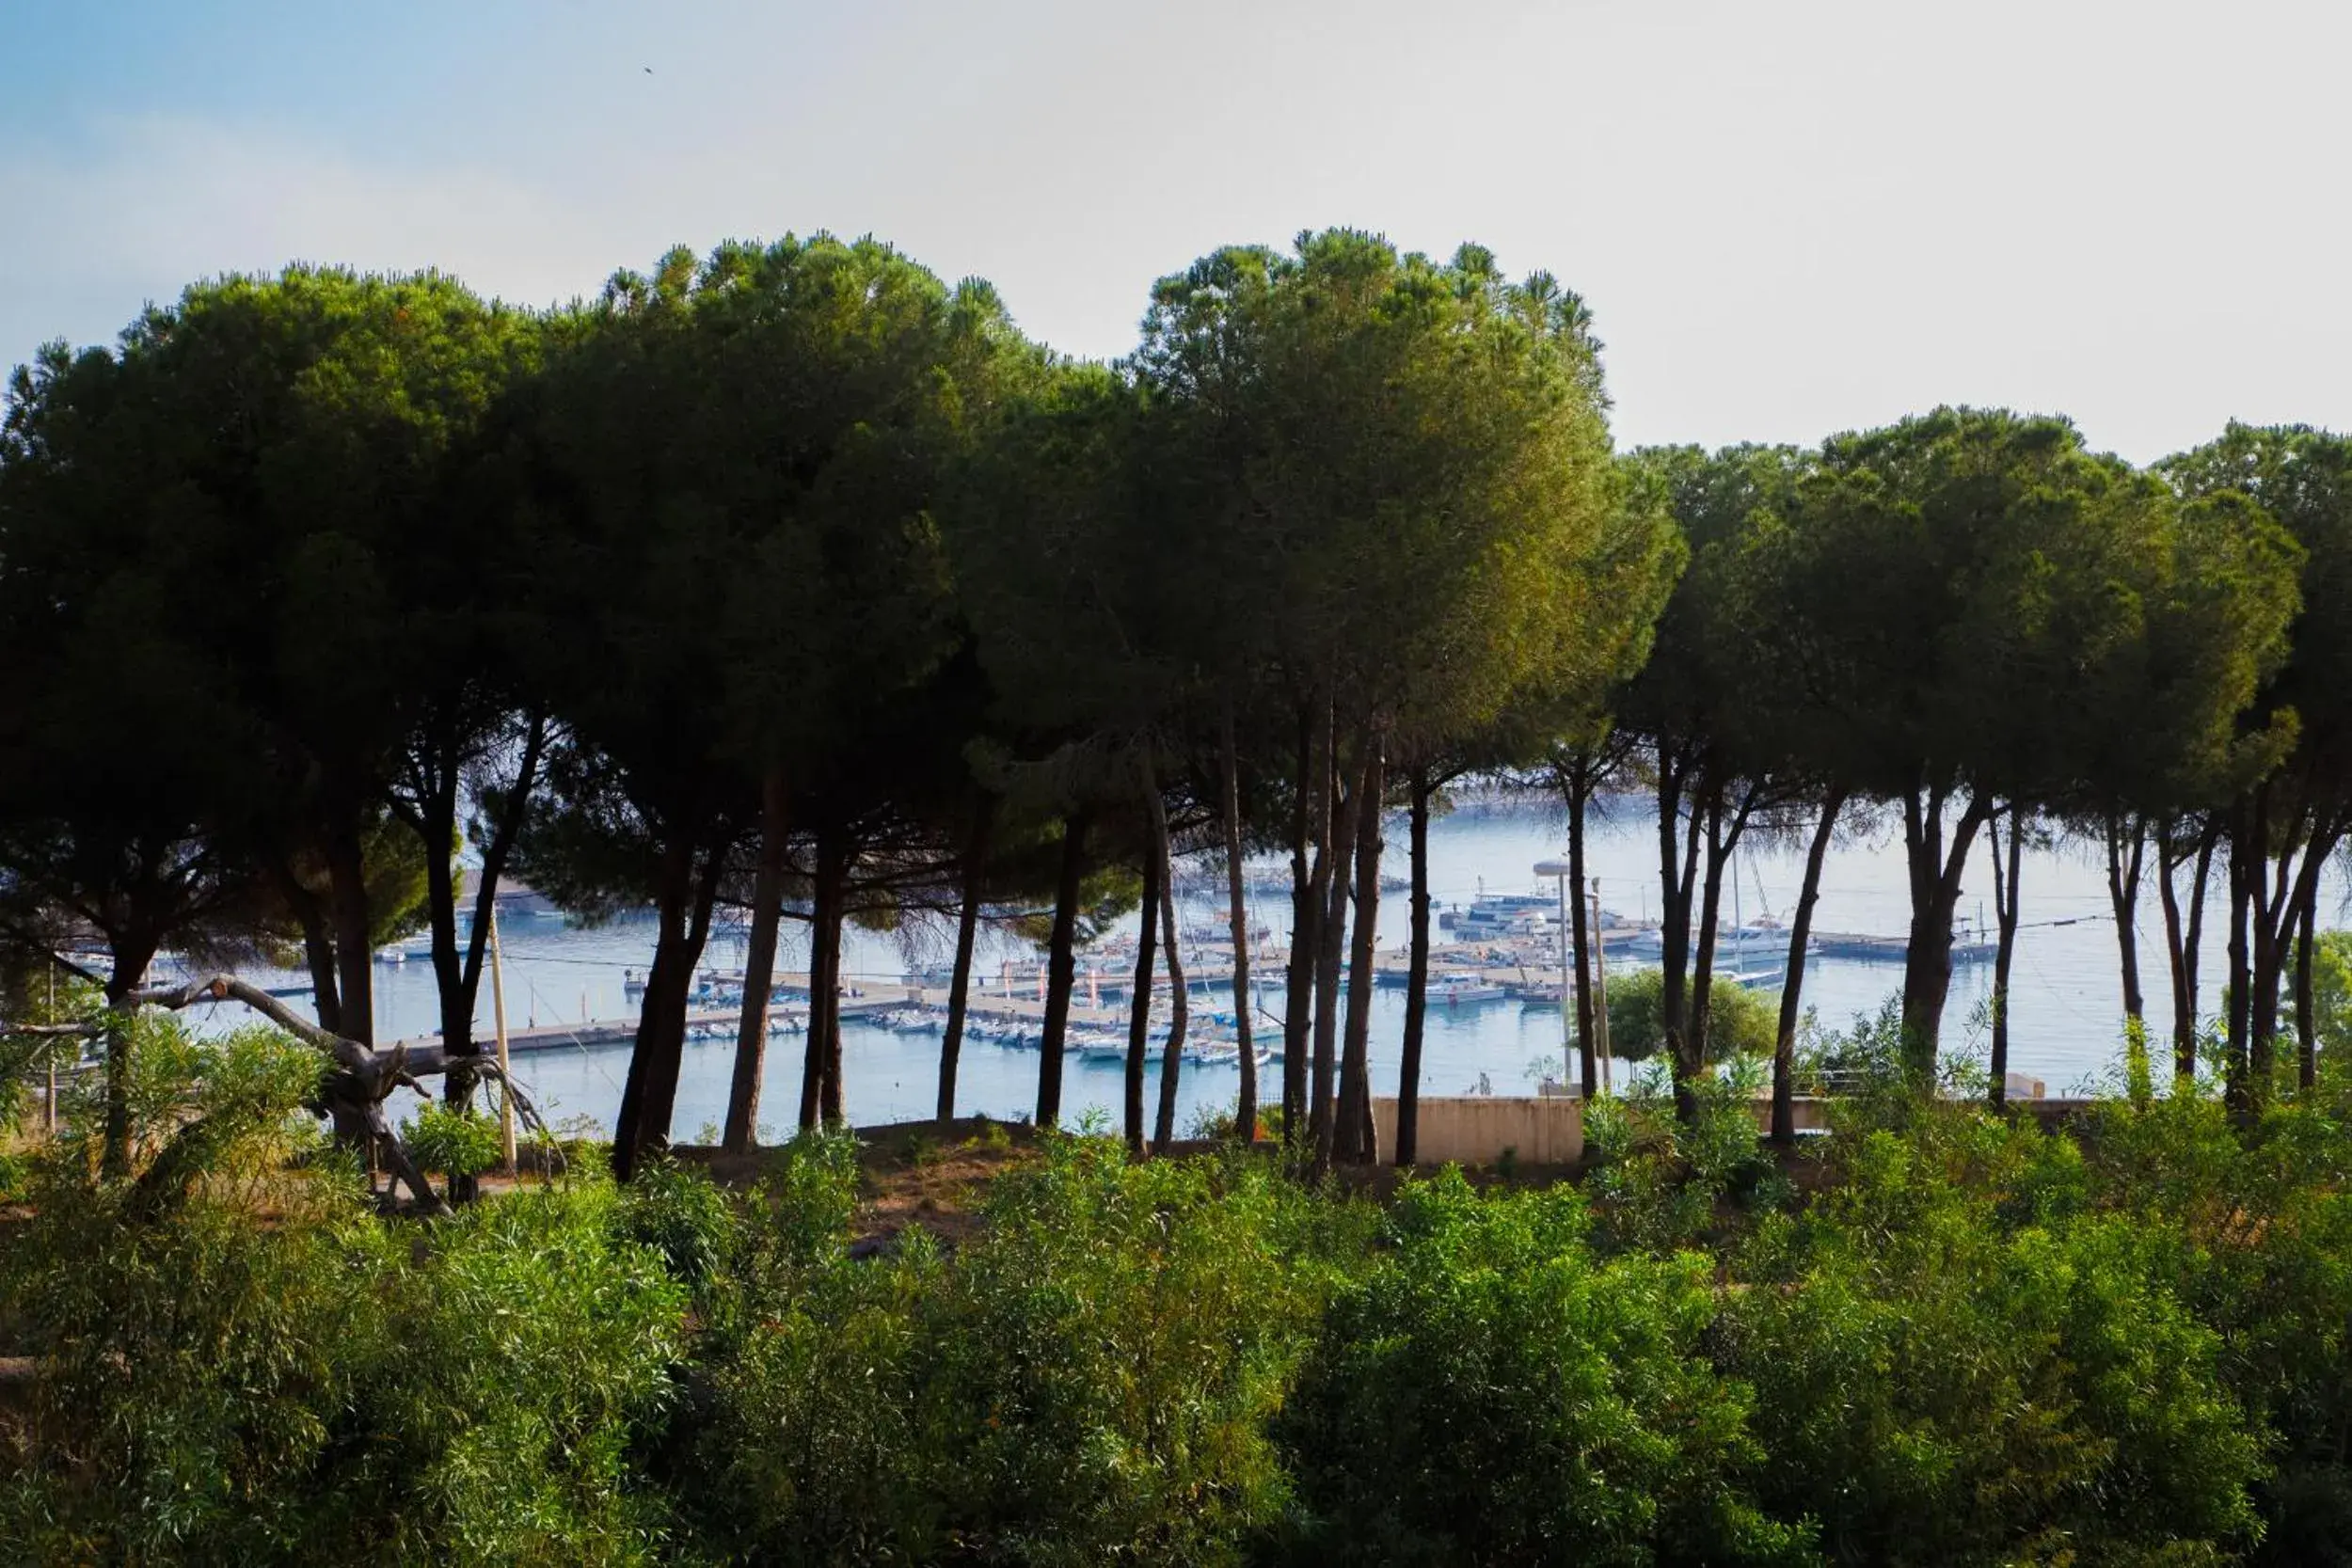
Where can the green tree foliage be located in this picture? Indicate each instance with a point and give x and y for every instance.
(1739, 1022)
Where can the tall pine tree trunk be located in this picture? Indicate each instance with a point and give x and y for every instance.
(1934, 871)
(661, 1083)
(1139, 1006)
(2127, 841)
(2005, 911)
(1725, 824)
(1415, 974)
(1310, 818)
(355, 954)
(2246, 864)
(436, 828)
(1237, 915)
(760, 968)
(129, 953)
(2295, 924)
(834, 1097)
(1332, 879)
(967, 936)
(2305, 1030)
(1354, 1138)
(1783, 1131)
(318, 944)
(1061, 969)
(683, 906)
(1179, 999)
(1580, 941)
(2182, 938)
(824, 978)
(1677, 875)
(457, 974)
(2266, 956)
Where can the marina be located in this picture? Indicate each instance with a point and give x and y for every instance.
(1495, 1011)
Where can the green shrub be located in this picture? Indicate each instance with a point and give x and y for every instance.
(1494, 1392)
(319, 1386)
(452, 1141)
(683, 1215)
(1950, 1369)
(1102, 1364)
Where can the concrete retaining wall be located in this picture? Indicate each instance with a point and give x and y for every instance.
(1474, 1130)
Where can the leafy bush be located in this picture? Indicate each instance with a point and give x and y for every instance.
(1976, 1341)
(452, 1141)
(319, 1387)
(1106, 1357)
(682, 1215)
(251, 1080)
(1659, 1181)
(1955, 1363)
(1494, 1392)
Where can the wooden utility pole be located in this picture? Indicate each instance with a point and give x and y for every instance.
(1601, 990)
(498, 1016)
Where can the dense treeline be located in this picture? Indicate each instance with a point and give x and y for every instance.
(789, 583)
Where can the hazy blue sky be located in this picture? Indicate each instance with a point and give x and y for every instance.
(1790, 219)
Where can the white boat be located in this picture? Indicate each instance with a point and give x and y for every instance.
(1457, 990)
(1756, 942)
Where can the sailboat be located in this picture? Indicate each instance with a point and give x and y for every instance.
(1742, 944)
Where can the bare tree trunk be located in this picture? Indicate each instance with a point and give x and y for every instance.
(2306, 1032)
(1580, 793)
(1139, 1006)
(967, 936)
(1061, 969)
(1310, 818)
(2005, 911)
(760, 968)
(1677, 874)
(645, 1117)
(318, 942)
(2272, 900)
(2208, 841)
(2294, 927)
(2182, 938)
(1179, 998)
(662, 1085)
(831, 1100)
(2246, 863)
(1724, 830)
(458, 976)
(1246, 1106)
(1415, 974)
(824, 978)
(2176, 959)
(2128, 841)
(1354, 1138)
(355, 954)
(1331, 878)
(1936, 869)
(129, 953)
(1793, 987)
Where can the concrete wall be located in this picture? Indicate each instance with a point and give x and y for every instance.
(1474, 1130)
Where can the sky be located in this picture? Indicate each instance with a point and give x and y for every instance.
(1790, 219)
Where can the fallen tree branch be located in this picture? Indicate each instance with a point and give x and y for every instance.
(362, 1081)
